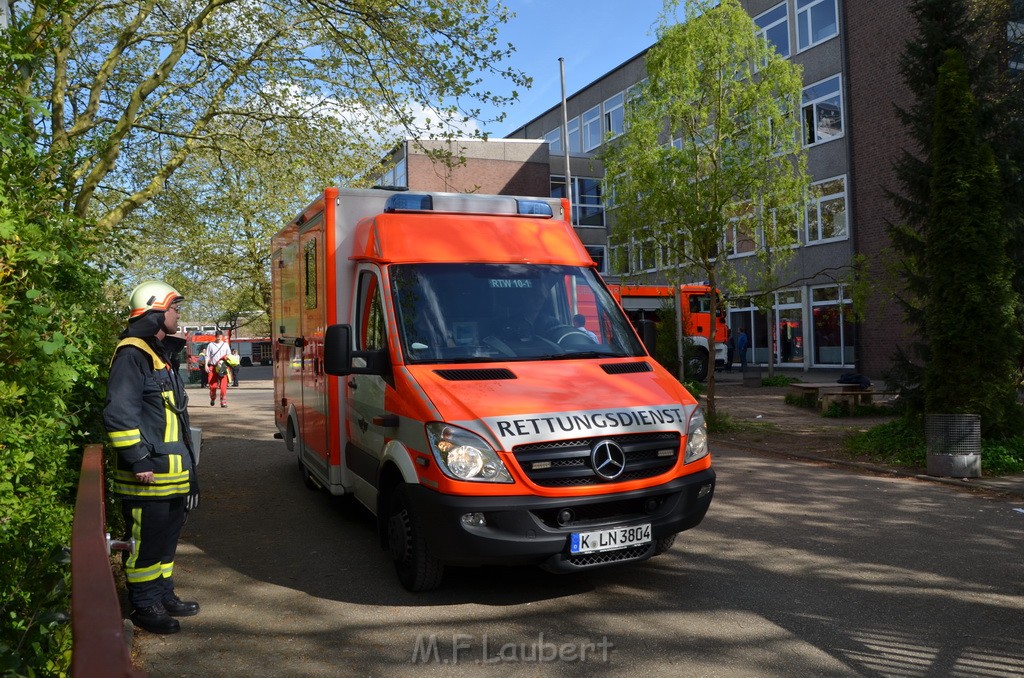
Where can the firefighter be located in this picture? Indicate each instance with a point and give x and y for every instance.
(147, 422)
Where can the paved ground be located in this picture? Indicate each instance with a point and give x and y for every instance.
(795, 572)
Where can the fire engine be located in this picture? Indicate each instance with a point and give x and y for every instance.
(430, 362)
(649, 302)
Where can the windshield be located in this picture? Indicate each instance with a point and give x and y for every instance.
(498, 312)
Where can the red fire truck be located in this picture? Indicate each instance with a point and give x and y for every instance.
(648, 302)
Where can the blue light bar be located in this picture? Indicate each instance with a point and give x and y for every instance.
(536, 207)
(409, 202)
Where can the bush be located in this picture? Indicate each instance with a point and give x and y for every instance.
(54, 337)
(901, 442)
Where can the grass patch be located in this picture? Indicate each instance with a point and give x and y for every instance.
(836, 410)
(721, 422)
(901, 443)
(805, 400)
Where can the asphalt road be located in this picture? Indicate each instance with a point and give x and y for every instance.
(798, 570)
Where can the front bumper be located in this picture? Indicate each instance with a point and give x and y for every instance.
(528, 530)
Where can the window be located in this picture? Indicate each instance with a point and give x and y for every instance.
(598, 254)
(587, 206)
(554, 139)
(620, 256)
(401, 178)
(615, 115)
(1015, 36)
(573, 128)
(774, 27)
(309, 255)
(371, 334)
(396, 176)
(816, 22)
(832, 326)
(826, 212)
(822, 108)
(634, 96)
(737, 242)
(592, 129)
(645, 253)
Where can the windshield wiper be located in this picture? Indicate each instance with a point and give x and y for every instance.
(585, 354)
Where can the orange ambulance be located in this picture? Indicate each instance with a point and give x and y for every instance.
(430, 362)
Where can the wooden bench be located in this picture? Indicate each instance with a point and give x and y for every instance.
(813, 391)
(851, 398)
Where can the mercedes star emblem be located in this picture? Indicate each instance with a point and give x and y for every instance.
(608, 460)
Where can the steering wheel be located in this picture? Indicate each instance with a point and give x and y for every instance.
(568, 335)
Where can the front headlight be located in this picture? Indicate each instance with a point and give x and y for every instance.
(696, 437)
(464, 455)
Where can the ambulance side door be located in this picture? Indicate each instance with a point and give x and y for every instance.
(365, 392)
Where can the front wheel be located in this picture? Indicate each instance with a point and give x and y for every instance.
(697, 364)
(664, 544)
(417, 570)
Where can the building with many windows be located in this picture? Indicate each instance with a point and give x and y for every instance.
(849, 52)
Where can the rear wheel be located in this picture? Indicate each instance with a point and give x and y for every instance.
(307, 477)
(416, 568)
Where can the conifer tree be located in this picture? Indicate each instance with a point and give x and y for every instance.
(977, 31)
(968, 309)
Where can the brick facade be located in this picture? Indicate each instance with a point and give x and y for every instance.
(875, 34)
(491, 167)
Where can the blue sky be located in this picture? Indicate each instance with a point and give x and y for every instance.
(594, 36)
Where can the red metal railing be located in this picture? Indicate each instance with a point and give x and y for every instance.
(99, 645)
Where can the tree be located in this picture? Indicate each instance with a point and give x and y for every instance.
(969, 315)
(977, 30)
(134, 88)
(209, 230)
(56, 331)
(711, 158)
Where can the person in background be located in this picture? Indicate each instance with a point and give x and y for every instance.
(741, 348)
(579, 321)
(216, 354)
(146, 419)
(235, 363)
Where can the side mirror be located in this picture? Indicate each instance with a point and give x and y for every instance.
(338, 350)
(339, 356)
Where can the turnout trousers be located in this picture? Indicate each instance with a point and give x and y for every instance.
(155, 526)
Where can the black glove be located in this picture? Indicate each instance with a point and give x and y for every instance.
(192, 500)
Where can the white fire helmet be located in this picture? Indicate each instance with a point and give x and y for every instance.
(152, 295)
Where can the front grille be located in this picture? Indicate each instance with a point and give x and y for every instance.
(592, 559)
(567, 463)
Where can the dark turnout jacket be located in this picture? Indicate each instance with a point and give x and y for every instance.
(147, 421)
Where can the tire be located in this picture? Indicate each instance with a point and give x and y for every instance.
(697, 364)
(664, 544)
(307, 477)
(417, 570)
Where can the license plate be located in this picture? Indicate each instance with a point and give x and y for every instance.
(609, 540)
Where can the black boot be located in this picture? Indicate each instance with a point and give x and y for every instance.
(176, 607)
(155, 619)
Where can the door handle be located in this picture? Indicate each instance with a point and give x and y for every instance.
(352, 383)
